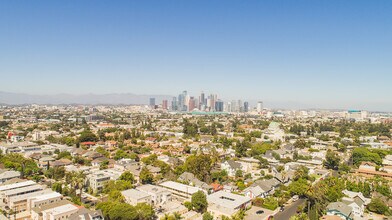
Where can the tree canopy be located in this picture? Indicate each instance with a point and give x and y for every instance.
(199, 202)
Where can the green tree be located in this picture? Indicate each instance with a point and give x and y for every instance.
(146, 176)
(378, 206)
(302, 172)
(118, 185)
(79, 181)
(102, 151)
(270, 203)
(120, 154)
(56, 173)
(298, 187)
(208, 216)
(238, 173)
(127, 176)
(104, 165)
(115, 210)
(199, 202)
(188, 205)
(300, 143)
(144, 211)
(331, 160)
(64, 154)
(58, 187)
(190, 130)
(301, 216)
(258, 149)
(116, 195)
(15, 161)
(87, 135)
(199, 165)
(364, 154)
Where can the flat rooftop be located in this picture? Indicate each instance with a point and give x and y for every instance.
(227, 200)
(16, 185)
(62, 209)
(23, 190)
(29, 195)
(180, 187)
(151, 188)
(47, 196)
(134, 194)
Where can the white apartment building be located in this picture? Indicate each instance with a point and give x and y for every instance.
(159, 195)
(8, 174)
(134, 197)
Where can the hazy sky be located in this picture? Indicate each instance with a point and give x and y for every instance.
(335, 54)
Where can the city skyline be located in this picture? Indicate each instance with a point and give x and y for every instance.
(319, 54)
(129, 99)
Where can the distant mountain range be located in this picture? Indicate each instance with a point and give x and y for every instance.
(89, 99)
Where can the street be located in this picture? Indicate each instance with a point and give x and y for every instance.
(289, 210)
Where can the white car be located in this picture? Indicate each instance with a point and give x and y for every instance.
(295, 198)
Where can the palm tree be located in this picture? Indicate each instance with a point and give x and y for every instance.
(177, 216)
(78, 180)
(284, 175)
(174, 216)
(165, 217)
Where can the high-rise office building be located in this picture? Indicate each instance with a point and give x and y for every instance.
(183, 101)
(152, 102)
(164, 104)
(202, 100)
(259, 107)
(212, 100)
(239, 105)
(246, 106)
(219, 106)
(229, 107)
(192, 103)
(174, 104)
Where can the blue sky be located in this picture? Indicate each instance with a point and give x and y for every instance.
(327, 54)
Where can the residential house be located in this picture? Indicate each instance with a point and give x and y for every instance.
(367, 166)
(268, 186)
(357, 205)
(7, 175)
(91, 155)
(60, 163)
(340, 209)
(253, 192)
(231, 167)
(44, 162)
(86, 214)
(124, 163)
(226, 204)
(190, 179)
(216, 187)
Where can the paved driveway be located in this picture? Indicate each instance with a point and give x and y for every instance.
(251, 213)
(289, 210)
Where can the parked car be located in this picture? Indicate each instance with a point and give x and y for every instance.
(260, 212)
(295, 198)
